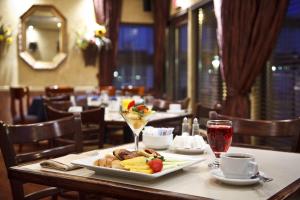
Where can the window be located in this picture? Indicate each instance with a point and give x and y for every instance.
(135, 56)
(283, 71)
(178, 58)
(209, 83)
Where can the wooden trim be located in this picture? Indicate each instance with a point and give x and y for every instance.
(200, 4)
(179, 20)
(114, 189)
(183, 13)
(287, 191)
(93, 185)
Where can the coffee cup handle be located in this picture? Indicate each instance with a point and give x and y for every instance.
(253, 168)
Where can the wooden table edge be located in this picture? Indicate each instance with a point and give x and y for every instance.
(93, 185)
(287, 191)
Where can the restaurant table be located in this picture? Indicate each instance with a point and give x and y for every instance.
(194, 182)
(114, 119)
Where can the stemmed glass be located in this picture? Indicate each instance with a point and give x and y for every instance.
(136, 120)
(219, 135)
(149, 100)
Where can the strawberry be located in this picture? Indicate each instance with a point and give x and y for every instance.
(131, 104)
(141, 107)
(156, 165)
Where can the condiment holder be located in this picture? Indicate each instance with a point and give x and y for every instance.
(157, 138)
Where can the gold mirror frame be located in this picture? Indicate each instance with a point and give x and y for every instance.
(25, 55)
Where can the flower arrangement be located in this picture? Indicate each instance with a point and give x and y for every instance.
(90, 42)
(5, 35)
(96, 37)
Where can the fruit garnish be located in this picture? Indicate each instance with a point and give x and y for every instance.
(155, 164)
(125, 103)
(131, 104)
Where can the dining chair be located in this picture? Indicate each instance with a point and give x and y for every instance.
(111, 90)
(161, 105)
(202, 113)
(93, 124)
(184, 103)
(133, 90)
(285, 134)
(57, 90)
(31, 133)
(19, 96)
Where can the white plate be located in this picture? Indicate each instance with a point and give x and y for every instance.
(218, 174)
(89, 164)
(188, 151)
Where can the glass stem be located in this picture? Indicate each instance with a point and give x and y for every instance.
(136, 142)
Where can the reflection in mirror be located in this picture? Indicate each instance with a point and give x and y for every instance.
(43, 33)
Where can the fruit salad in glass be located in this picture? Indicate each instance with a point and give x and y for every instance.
(136, 116)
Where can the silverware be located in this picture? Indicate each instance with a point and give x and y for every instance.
(262, 177)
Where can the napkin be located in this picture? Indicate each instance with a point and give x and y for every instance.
(62, 163)
(75, 109)
(188, 142)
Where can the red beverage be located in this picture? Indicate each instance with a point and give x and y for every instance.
(219, 138)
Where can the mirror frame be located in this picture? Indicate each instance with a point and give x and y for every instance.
(32, 62)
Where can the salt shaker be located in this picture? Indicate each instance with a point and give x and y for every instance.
(185, 127)
(195, 127)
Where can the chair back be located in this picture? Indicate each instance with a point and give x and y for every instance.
(266, 129)
(160, 105)
(31, 133)
(17, 97)
(62, 105)
(88, 119)
(202, 113)
(184, 103)
(130, 90)
(111, 90)
(56, 90)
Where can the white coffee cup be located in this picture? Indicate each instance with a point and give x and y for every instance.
(238, 165)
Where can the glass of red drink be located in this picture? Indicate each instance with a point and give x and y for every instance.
(219, 135)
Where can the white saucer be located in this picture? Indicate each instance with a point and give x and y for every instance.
(218, 174)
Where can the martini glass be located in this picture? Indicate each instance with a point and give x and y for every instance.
(136, 122)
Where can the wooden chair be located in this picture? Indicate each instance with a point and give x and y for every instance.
(56, 90)
(184, 103)
(23, 134)
(92, 120)
(288, 131)
(17, 97)
(59, 105)
(110, 89)
(202, 113)
(130, 90)
(160, 105)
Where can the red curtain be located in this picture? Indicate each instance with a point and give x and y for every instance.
(161, 12)
(108, 12)
(247, 33)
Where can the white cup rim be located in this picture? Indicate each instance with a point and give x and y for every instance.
(247, 156)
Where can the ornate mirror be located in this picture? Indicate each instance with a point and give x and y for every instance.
(42, 39)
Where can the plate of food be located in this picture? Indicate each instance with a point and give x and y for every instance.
(142, 164)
